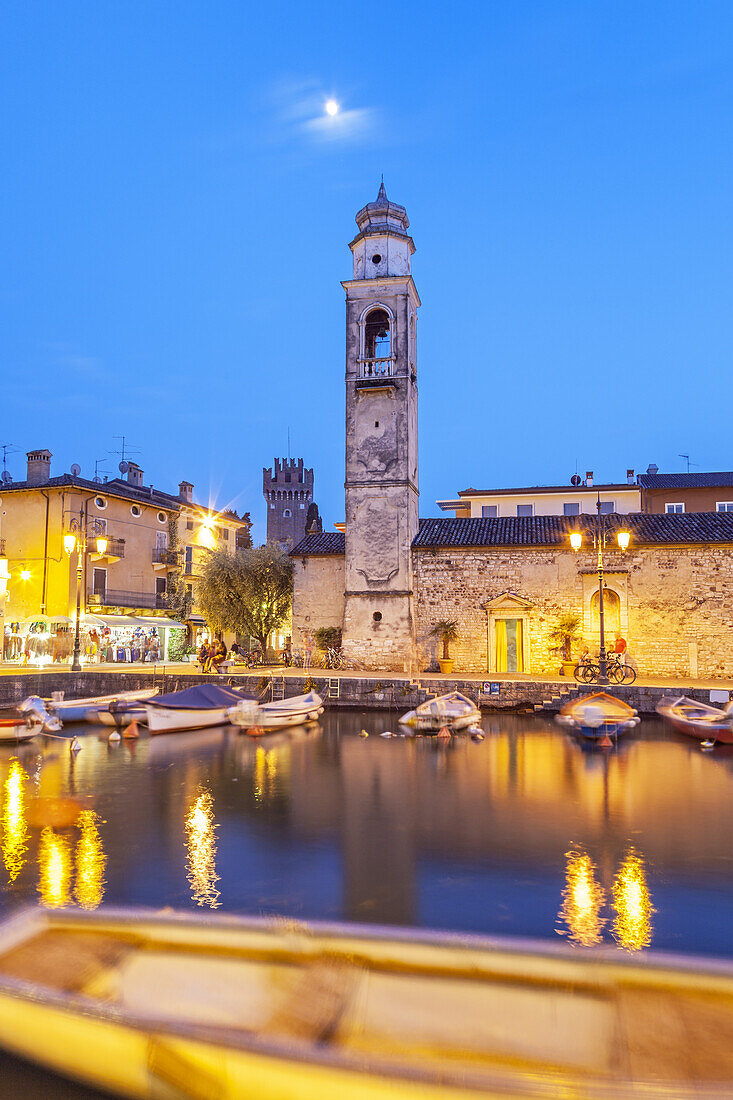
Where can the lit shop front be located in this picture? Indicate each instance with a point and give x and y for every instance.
(103, 639)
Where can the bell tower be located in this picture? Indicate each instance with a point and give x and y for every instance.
(381, 439)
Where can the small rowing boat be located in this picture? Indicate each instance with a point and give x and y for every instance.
(698, 720)
(119, 714)
(177, 1005)
(83, 710)
(193, 708)
(598, 717)
(280, 714)
(19, 727)
(452, 712)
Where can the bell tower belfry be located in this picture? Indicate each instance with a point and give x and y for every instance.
(381, 439)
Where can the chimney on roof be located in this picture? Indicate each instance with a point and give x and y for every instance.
(185, 491)
(134, 474)
(39, 467)
(630, 476)
(589, 477)
(652, 468)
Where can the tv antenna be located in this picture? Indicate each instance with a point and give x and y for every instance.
(8, 449)
(123, 466)
(97, 462)
(288, 443)
(687, 460)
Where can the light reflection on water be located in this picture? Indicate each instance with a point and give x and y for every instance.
(15, 832)
(499, 837)
(200, 829)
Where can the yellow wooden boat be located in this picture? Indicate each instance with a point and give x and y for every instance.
(168, 1006)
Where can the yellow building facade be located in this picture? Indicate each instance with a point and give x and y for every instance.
(129, 541)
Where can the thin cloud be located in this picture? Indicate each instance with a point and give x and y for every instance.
(300, 108)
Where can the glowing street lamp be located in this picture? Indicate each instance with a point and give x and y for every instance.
(599, 541)
(75, 539)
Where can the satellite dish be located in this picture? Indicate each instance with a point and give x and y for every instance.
(123, 467)
(7, 477)
(97, 479)
(75, 469)
(575, 479)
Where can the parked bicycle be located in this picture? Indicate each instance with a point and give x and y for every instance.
(587, 671)
(332, 658)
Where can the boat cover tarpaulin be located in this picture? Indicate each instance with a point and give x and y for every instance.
(200, 697)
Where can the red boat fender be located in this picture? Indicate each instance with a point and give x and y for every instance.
(605, 742)
(132, 732)
(444, 733)
(255, 731)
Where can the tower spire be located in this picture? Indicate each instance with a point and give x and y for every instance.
(382, 195)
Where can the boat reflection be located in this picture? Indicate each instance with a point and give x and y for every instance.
(632, 926)
(201, 844)
(583, 900)
(15, 830)
(54, 860)
(90, 863)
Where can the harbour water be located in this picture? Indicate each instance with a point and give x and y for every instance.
(526, 833)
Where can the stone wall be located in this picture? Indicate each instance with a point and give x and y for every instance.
(319, 594)
(675, 603)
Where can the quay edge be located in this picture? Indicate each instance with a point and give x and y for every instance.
(385, 692)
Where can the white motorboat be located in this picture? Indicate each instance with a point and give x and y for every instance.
(452, 711)
(195, 708)
(80, 710)
(280, 714)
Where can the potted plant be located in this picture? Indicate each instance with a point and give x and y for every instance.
(447, 631)
(565, 633)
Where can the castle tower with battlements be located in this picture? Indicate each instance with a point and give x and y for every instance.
(288, 491)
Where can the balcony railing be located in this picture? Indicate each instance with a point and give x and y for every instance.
(376, 368)
(163, 556)
(115, 548)
(114, 597)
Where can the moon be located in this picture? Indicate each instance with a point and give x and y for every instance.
(332, 107)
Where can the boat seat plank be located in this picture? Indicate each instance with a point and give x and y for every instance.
(66, 961)
(668, 1036)
(469, 1020)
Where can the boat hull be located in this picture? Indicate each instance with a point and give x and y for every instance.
(284, 714)
(11, 731)
(416, 1016)
(85, 710)
(701, 731)
(119, 718)
(173, 720)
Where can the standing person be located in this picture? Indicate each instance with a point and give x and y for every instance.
(204, 656)
(619, 646)
(307, 649)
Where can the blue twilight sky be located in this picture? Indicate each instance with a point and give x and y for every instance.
(177, 208)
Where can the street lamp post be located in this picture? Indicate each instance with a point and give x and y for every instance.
(599, 541)
(76, 539)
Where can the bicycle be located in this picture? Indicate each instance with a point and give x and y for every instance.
(332, 658)
(587, 671)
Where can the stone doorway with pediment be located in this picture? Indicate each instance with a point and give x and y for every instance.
(508, 633)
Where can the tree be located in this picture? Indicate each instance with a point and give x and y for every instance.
(565, 633)
(249, 592)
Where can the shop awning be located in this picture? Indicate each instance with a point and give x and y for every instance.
(138, 620)
(196, 619)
